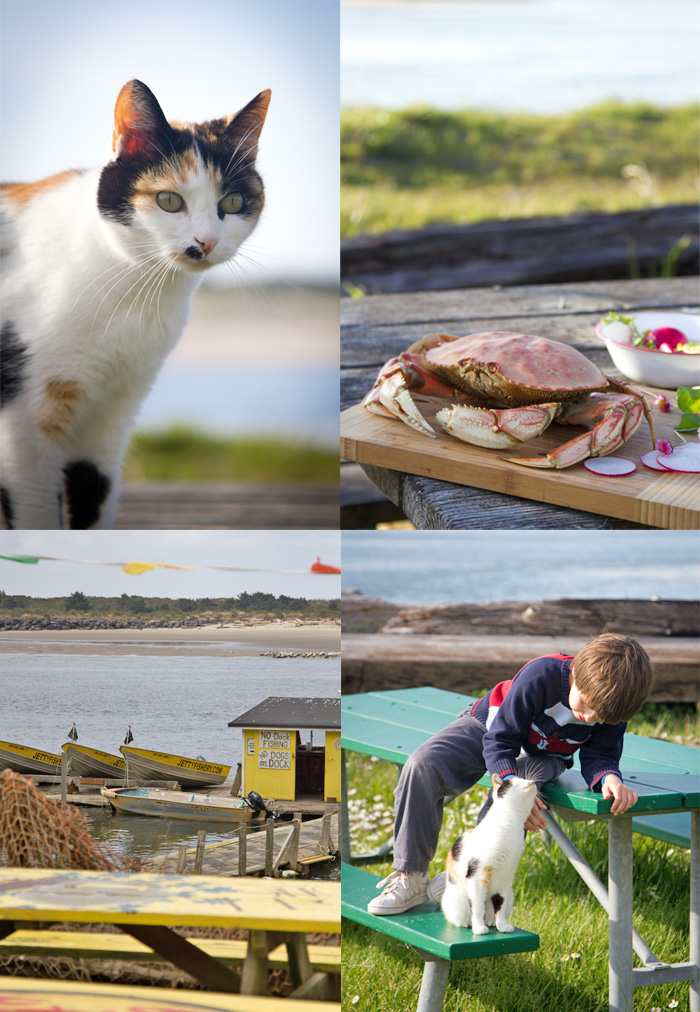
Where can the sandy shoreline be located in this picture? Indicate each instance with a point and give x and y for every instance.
(228, 641)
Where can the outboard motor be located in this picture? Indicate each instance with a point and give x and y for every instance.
(258, 805)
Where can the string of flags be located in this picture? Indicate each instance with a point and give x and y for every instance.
(136, 568)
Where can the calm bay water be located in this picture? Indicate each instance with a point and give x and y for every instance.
(174, 704)
(539, 56)
(441, 566)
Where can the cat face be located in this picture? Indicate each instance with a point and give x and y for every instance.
(184, 194)
(514, 787)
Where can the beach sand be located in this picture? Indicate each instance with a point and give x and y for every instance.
(208, 641)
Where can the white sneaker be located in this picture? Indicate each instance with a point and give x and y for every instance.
(402, 890)
(436, 887)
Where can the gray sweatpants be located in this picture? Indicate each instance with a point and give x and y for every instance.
(448, 763)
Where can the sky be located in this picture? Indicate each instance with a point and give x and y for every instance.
(294, 550)
(64, 62)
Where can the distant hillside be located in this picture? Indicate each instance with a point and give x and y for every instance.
(20, 611)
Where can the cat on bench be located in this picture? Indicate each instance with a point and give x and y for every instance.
(524, 729)
(99, 268)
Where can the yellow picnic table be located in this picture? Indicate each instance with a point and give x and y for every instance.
(147, 906)
(22, 994)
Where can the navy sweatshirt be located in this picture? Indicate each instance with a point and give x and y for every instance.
(531, 712)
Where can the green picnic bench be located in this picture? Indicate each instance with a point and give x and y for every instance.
(390, 725)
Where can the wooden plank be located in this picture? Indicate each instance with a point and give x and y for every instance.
(669, 500)
(473, 663)
(673, 828)
(118, 898)
(21, 993)
(226, 506)
(103, 945)
(518, 251)
(425, 926)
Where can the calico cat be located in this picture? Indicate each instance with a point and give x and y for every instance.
(482, 862)
(98, 271)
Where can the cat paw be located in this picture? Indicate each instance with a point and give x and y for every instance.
(505, 928)
(481, 929)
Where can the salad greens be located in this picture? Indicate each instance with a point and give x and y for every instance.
(688, 399)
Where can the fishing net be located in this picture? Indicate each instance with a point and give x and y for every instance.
(36, 831)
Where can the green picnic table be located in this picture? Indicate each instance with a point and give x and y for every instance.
(392, 724)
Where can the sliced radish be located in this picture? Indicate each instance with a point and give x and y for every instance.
(666, 338)
(683, 458)
(649, 460)
(610, 465)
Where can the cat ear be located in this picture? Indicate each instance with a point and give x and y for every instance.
(140, 128)
(496, 781)
(243, 131)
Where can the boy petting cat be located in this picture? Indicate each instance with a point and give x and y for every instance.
(528, 727)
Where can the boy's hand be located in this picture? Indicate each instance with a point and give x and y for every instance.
(534, 821)
(624, 797)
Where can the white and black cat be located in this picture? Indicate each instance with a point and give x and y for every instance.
(98, 271)
(481, 865)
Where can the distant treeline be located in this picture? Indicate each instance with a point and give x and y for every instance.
(216, 608)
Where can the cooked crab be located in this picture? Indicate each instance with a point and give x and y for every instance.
(506, 389)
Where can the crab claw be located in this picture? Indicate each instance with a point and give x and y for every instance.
(390, 397)
(497, 428)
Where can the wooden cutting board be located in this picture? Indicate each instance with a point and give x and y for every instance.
(671, 500)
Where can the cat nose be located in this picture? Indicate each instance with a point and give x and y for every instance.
(206, 245)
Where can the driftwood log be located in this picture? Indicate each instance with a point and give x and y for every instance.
(577, 247)
(470, 647)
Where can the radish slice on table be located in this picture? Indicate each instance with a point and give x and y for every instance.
(609, 465)
(649, 460)
(683, 458)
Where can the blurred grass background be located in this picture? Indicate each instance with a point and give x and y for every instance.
(185, 454)
(420, 166)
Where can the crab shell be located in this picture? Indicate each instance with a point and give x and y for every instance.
(505, 369)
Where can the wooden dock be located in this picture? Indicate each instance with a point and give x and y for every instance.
(318, 840)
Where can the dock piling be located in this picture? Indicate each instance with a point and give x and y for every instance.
(242, 838)
(199, 855)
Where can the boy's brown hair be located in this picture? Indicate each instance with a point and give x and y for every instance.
(614, 675)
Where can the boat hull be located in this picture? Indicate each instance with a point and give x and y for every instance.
(148, 765)
(91, 762)
(164, 804)
(24, 759)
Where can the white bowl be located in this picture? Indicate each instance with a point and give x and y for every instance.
(669, 370)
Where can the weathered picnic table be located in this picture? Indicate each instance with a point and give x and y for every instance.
(390, 725)
(146, 906)
(468, 487)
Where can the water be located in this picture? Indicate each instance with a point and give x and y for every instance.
(174, 704)
(541, 56)
(426, 567)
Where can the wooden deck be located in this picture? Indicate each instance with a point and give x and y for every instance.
(223, 506)
(222, 858)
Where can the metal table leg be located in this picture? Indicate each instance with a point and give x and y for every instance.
(620, 912)
(433, 984)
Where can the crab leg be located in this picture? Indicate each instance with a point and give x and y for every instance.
(617, 417)
(391, 394)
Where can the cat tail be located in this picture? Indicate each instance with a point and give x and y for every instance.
(456, 906)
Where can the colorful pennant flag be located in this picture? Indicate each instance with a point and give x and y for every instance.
(136, 568)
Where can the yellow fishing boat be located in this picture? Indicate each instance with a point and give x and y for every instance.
(91, 762)
(25, 759)
(148, 765)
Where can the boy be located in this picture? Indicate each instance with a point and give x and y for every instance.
(529, 726)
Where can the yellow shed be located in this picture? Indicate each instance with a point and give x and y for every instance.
(277, 762)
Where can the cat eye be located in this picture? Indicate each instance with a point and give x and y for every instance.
(170, 202)
(232, 203)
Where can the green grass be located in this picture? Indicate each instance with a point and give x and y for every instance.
(569, 972)
(420, 166)
(181, 454)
